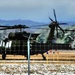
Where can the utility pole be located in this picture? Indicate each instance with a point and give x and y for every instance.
(28, 45)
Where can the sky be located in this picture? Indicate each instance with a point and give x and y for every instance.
(37, 10)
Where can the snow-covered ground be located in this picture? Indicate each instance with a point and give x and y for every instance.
(37, 69)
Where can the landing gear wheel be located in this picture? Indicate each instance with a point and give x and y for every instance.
(26, 57)
(3, 55)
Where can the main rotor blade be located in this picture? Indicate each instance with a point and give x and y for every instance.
(19, 26)
(62, 23)
(13, 27)
(3, 26)
(54, 15)
(61, 29)
(51, 19)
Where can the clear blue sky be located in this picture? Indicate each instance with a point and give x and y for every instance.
(37, 10)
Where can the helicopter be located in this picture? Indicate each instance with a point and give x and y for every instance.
(20, 37)
(36, 47)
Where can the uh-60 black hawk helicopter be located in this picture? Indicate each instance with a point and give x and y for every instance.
(15, 41)
(19, 40)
